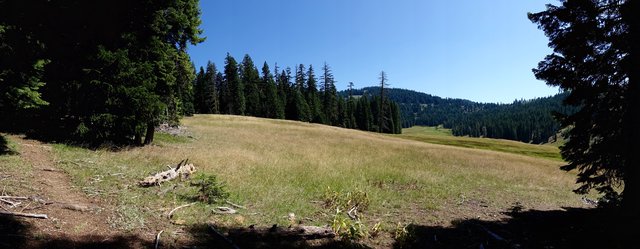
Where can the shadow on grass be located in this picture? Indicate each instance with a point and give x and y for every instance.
(17, 233)
(569, 228)
(4, 147)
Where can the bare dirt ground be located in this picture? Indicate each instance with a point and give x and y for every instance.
(74, 219)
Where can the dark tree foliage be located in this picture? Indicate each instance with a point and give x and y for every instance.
(271, 105)
(595, 59)
(313, 97)
(105, 78)
(329, 96)
(234, 97)
(252, 92)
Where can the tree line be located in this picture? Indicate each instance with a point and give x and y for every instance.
(530, 121)
(298, 94)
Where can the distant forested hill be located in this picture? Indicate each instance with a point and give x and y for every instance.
(523, 120)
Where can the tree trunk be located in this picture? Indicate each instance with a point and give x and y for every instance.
(151, 129)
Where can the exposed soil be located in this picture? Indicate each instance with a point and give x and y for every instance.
(73, 217)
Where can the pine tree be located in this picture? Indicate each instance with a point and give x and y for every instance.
(313, 98)
(595, 58)
(271, 103)
(210, 95)
(329, 96)
(236, 99)
(199, 92)
(251, 81)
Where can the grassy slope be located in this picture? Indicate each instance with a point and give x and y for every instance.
(443, 136)
(275, 167)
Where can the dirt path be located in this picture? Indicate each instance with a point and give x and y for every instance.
(73, 216)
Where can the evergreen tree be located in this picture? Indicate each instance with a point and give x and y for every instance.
(595, 58)
(329, 96)
(251, 81)
(199, 92)
(112, 82)
(313, 98)
(235, 87)
(210, 95)
(271, 104)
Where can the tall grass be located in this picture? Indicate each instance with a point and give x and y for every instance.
(276, 167)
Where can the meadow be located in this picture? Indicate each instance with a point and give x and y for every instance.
(276, 168)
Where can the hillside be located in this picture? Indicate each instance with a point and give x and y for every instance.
(276, 167)
(528, 121)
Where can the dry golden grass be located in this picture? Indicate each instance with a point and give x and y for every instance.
(276, 167)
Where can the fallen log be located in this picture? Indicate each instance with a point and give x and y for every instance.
(182, 170)
(39, 216)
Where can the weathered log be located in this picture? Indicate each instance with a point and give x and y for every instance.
(39, 216)
(182, 170)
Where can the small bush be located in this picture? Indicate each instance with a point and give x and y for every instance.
(346, 201)
(210, 190)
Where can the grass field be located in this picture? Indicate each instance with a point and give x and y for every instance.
(443, 136)
(276, 167)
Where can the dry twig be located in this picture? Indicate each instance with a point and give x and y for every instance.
(179, 207)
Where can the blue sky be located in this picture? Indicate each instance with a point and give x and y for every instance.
(472, 49)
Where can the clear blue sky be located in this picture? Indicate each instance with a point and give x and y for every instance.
(478, 50)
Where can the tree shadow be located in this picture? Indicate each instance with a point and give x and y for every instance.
(4, 147)
(240, 237)
(568, 228)
(16, 233)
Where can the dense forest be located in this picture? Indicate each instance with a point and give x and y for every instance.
(95, 71)
(241, 89)
(530, 121)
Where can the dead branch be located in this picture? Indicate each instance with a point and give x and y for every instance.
(76, 207)
(179, 207)
(158, 239)
(213, 229)
(39, 216)
(10, 202)
(235, 205)
(14, 197)
(353, 213)
(224, 210)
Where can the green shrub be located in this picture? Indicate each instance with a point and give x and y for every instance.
(210, 190)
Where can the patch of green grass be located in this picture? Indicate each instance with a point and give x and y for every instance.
(443, 136)
(161, 137)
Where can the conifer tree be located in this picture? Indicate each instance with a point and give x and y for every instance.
(313, 98)
(211, 100)
(595, 58)
(329, 95)
(199, 92)
(251, 81)
(235, 87)
(271, 103)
